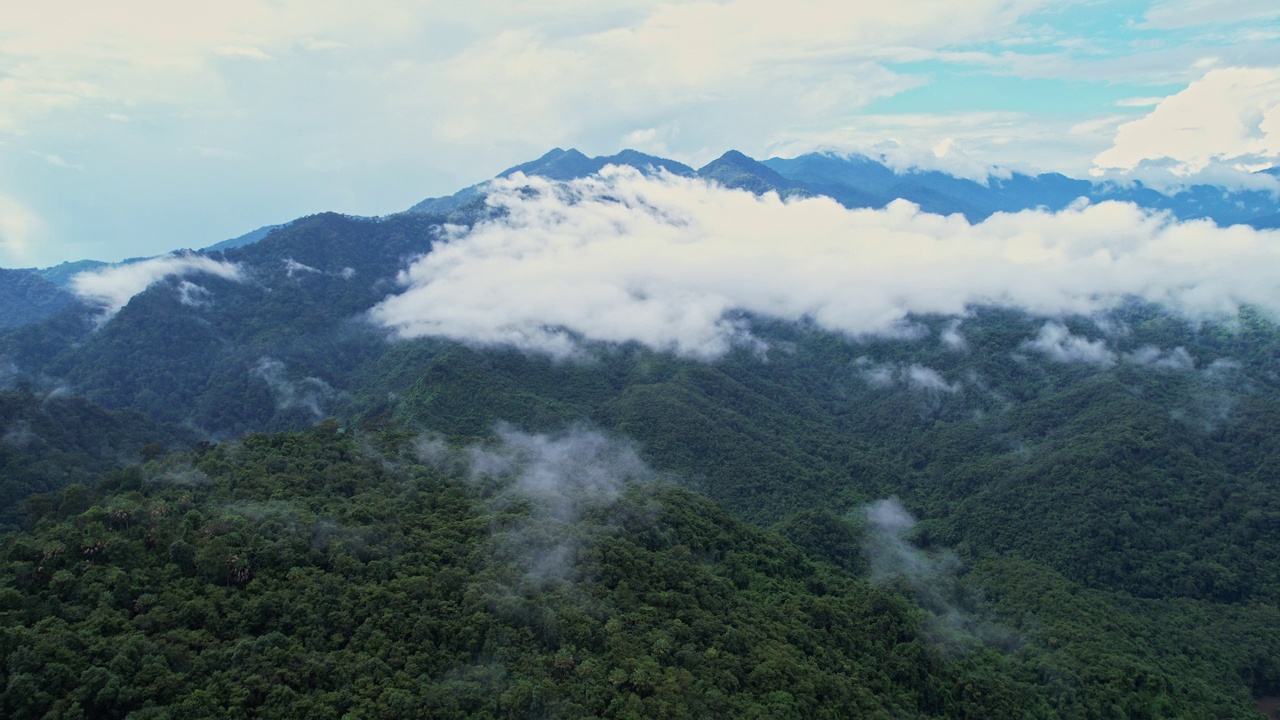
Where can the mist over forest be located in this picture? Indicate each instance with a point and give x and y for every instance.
(618, 437)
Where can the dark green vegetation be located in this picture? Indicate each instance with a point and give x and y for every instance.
(50, 442)
(1095, 540)
(317, 574)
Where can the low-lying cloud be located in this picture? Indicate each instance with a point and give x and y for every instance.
(1151, 356)
(309, 394)
(914, 376)
(932, 577)
(672, 263)
(1056, 342)
(18, 435)
(559, 478)
(114, 286)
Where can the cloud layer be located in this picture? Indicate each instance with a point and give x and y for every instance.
(130, 130)
(113, 287)
(671, 263)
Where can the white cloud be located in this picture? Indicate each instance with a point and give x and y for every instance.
(1231, 116)
(1151, 356)
(114, 286)
(914, 376)
(924, 378)
(293, 267)
(952, 337)
(666, 261)
(1057, 343)
(394, 100)
(193, 295)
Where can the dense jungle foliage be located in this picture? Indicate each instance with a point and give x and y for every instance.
(1095, 539)
(328, 574)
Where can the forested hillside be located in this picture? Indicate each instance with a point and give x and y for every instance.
(321, 573)
(237, 483)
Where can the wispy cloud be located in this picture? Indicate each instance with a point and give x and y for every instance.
(559, 478)
(309, 394)
(671, 262)
(114, 286)
(933, 577)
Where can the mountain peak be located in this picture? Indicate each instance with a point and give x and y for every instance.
(736, 170)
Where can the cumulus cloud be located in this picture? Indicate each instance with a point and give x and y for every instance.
(1057, 343)
(310, 394)
(558, 478)
(113, 287)
(673, 263)
(1231, 116)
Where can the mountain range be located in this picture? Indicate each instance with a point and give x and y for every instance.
(228, 490)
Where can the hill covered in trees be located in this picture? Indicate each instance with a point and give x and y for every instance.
(236, 484)
(318, 574)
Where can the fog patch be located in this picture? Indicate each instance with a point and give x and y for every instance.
(668, 262)
(193, 295)
(1222, 370)
(1056, 342)
(292, 268)
(1177, 359)
(18, 435)
(184, 475)
(952, 339)
(552, 480)
(914, 377)
(933, 578)
(922, 378)
(111, 288)
(310, 394)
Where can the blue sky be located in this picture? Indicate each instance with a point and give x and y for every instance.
(142, 127)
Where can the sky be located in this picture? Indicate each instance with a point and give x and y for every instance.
(136, 127)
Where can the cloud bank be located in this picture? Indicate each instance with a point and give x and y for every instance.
(673, 263)
(113, 287)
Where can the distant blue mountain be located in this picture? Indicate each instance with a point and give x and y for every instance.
(62, 273)
(245, 239)
(858, 181)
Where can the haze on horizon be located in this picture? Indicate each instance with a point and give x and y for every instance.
(145, 126)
